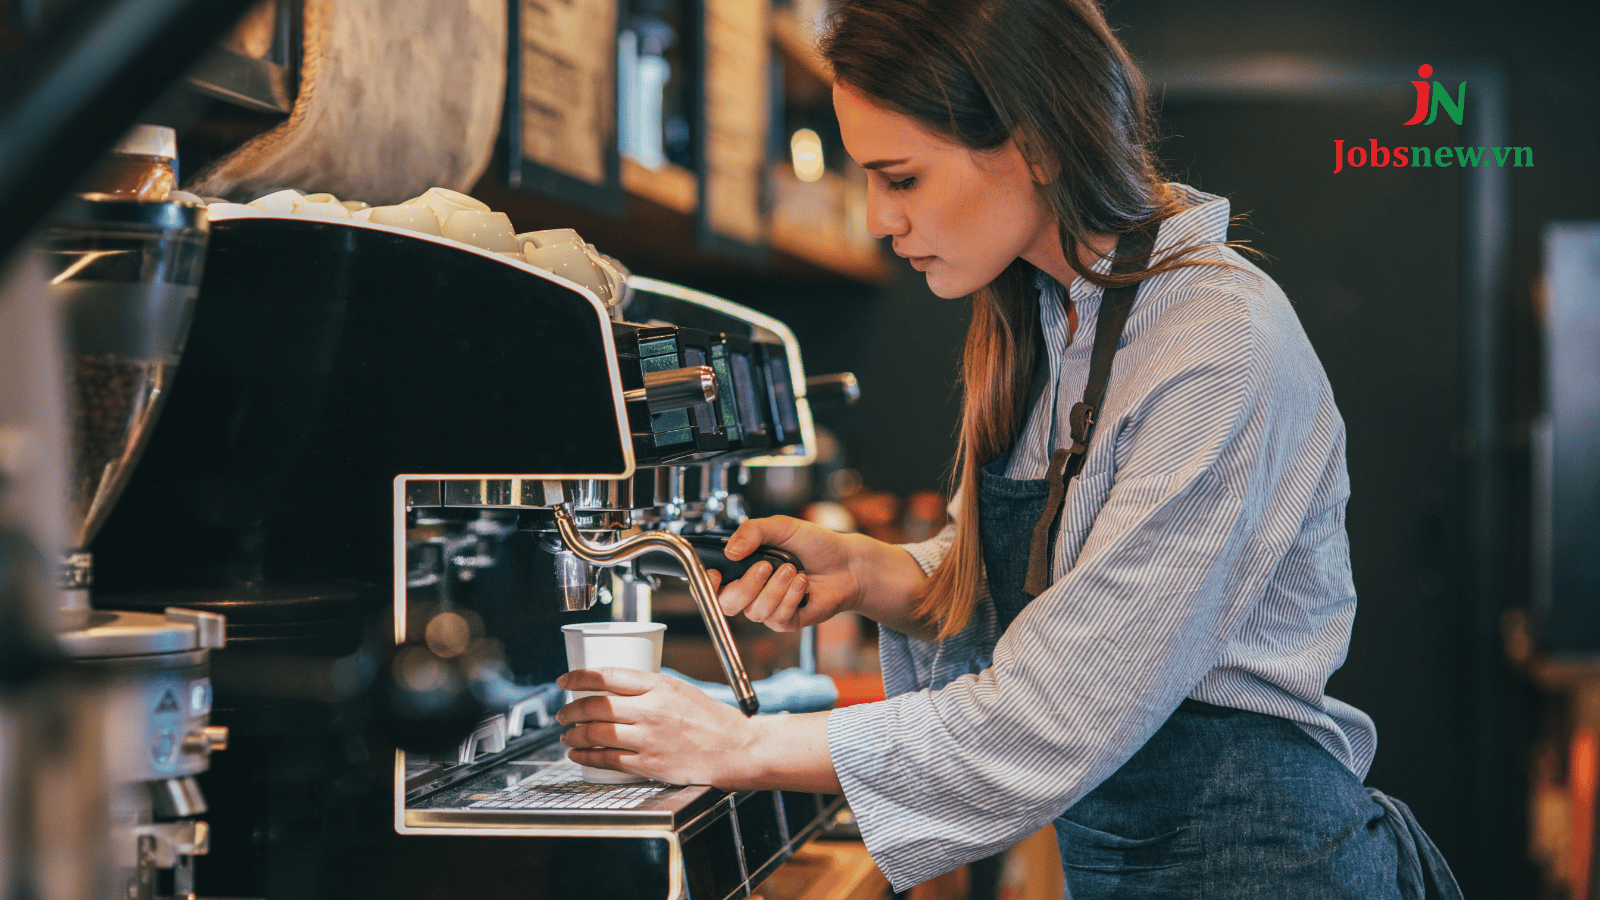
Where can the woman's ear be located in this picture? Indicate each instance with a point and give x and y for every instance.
(1044, 167)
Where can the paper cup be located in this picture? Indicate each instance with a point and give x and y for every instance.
(622, 645)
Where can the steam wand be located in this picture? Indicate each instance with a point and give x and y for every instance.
(699, 588)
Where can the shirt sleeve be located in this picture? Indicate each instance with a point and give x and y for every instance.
(1096, 663)
(911, 664)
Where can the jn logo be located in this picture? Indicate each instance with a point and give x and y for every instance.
(1429, 99)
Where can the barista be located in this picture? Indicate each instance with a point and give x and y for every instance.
(1128, 629)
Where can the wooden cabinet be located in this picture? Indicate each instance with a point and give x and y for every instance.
(741, 212)
(827, 870)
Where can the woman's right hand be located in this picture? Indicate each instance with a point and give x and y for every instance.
(774, 597)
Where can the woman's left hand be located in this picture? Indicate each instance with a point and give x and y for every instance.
(656, 726)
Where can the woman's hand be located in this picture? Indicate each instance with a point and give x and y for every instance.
(653, 725)
(774, 597)
(668, 730)
(843, 572)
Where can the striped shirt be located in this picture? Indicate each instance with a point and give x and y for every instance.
(1201, 553)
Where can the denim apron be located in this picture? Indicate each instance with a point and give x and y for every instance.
(1220, 802)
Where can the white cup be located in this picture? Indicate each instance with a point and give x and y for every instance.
(549, 236)
(481, 228)
(278, 203)
(413, 218)
(616, 274)
(444, 201)
(321, 210)
(226, 210)
(563, 252)
(622, 645)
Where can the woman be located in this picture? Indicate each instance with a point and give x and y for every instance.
(1129, 627)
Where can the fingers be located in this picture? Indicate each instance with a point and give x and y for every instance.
(752, 533)
(780, 596)
(740, 593)
(672, 734)
(589, 735)
(625, 682)
(602, 758)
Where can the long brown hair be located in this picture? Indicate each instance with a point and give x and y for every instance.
(1051, 74)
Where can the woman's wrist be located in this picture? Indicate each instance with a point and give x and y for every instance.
(889, 578)
(788, 751)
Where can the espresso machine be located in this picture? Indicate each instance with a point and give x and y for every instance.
(398, 464)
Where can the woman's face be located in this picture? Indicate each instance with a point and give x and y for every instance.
(961, 217)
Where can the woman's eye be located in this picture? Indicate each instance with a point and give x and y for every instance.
(902, 184)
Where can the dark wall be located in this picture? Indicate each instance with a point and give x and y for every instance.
(1379, 269)
(1438, 522)
(904, 346)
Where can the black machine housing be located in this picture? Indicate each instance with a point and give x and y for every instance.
(367, 431)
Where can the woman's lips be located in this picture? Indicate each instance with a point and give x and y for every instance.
(921, 263)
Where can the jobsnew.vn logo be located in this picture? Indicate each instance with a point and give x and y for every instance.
(1431, 98)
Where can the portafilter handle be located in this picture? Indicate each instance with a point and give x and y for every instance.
(699, 588)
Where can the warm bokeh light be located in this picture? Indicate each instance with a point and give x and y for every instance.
(805, 148)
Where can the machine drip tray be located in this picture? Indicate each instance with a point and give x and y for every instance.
(708, 844)
(559, 787)
(543, 787)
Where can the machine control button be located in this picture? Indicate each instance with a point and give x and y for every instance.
(207, 740)
(200, 697)
(163, 747)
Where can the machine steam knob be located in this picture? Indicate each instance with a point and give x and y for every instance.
(676, 389)
(207, 740)
(841, 389)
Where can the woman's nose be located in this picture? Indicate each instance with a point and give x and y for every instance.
(884, 216)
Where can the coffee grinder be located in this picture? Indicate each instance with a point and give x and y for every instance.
(124, 275)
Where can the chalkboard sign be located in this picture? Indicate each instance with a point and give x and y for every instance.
(733, 208)
(561, 87)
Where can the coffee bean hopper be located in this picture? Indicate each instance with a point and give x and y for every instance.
(376, 426)
(124, 276)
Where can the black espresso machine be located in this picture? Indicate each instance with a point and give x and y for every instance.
(397, 465)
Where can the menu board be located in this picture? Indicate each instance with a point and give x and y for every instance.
(563, 102)
(737, 61)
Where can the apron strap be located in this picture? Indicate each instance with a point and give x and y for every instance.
(1132, 255)
(1422, 872)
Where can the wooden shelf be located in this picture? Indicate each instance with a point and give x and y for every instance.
(670, 186)
(807, 78)
(861, 262)
(657, 232)
(655, 236)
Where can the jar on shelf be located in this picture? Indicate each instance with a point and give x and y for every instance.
(142, 166)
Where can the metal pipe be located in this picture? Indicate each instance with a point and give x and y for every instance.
(699, 587)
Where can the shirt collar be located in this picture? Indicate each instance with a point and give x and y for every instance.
(1204, 220)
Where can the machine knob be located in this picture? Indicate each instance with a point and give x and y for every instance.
(675, 389)
(206, 740)
(841, 388)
